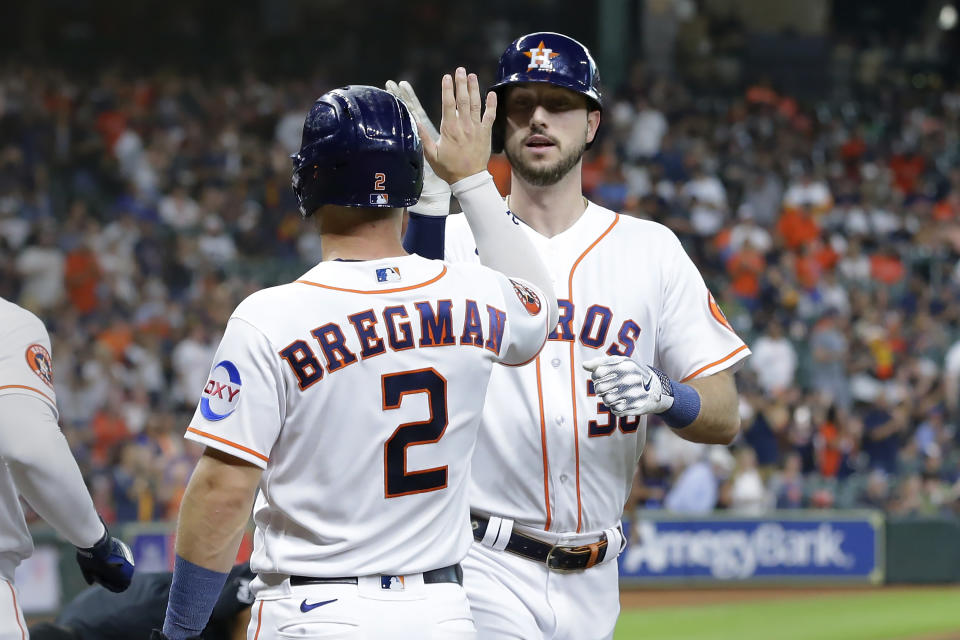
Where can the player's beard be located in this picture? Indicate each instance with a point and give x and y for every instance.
(549, 175)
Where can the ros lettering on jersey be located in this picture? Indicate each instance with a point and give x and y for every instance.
(435, 320)
(597, 323)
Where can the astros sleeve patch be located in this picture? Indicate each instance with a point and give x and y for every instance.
(40, 362)
(528, 297)
(525, 319)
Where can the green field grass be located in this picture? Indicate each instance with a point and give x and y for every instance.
(836, 616)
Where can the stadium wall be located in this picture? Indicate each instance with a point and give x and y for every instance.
(782, 548)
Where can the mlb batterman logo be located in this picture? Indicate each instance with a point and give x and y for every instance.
(388, 274)
(393, 583)
(40, 362)
(540, 58)
(529, 298)
(221, 395)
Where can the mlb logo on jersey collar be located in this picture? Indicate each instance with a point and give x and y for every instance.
(394, 583)
(388, 274)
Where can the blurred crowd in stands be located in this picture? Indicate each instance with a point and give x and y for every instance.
(830, 234)
(137, 211)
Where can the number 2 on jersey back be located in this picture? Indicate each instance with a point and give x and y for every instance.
(397, 480)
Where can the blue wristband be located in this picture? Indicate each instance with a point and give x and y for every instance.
(193, 594)
(686, 405)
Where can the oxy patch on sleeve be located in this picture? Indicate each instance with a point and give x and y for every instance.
(221, 394)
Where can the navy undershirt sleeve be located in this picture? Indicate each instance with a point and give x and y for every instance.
(425, 235)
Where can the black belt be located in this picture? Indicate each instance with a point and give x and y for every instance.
(558, 558)
(453, 573)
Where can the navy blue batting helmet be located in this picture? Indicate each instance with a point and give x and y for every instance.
(360, 148)
(547, 57)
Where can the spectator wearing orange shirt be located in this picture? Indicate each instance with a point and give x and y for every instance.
(746, 267)
(109, 427)
(827, 445)
(82, 278)
(907, 167)
(948, 209)
(797, 227)
(886, 267)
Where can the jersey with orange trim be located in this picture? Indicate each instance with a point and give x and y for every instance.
(625, 287)
(358, 390)
(26, 366)
(25, 369)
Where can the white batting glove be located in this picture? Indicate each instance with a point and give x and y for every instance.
(629, 388)
(435, 197)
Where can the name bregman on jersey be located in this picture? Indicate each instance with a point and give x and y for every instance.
(398, 328)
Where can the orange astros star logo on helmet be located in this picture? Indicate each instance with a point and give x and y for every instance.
(540, 58)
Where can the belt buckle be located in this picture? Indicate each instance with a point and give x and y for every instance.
(593, 549)
(552, 561)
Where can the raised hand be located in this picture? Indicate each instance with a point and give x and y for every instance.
(404, 91)
(465, 128)
(435, 197)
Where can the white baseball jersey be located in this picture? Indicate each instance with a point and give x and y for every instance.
(358, 390)
(26, 368)
(550, 455)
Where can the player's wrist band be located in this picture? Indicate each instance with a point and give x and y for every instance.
(193, 594)
(686, 406)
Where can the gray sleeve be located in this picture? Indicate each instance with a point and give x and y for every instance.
(47, 476)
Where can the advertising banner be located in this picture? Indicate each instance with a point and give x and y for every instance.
(817, 546)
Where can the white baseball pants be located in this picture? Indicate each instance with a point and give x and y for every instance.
(513, 598)
(12, 624)
(410, 610)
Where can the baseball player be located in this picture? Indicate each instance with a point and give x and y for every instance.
(96, 614)
(38, 465)
(351, 397)
(639, 334)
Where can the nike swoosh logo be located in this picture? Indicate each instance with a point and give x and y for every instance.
(304, 607)
(646, 385)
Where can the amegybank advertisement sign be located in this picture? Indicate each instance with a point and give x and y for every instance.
(820, 546)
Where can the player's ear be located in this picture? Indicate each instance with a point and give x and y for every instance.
(593, 123)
